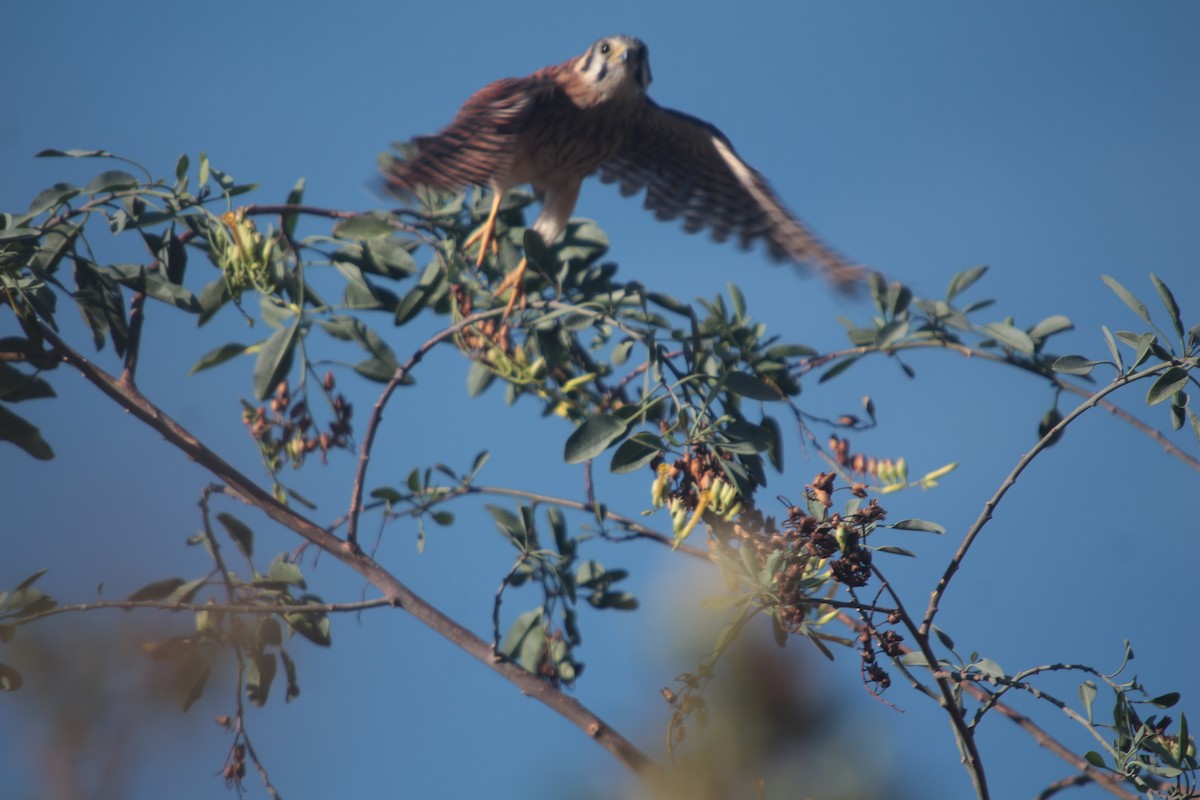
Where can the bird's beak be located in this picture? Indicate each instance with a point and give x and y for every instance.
(621, 53)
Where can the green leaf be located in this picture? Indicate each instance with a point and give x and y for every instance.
(479, 378)
(916, 525)
(1127, 298)
(944, 638)
(1168, 300)
(49, 198)
(312, 625)
(388, 257)
(1095, 759)
(24, 435)
(1050, 326)
(1112, 347)
(153, 283)
(899, 551)
(592, 438)
(260, 673)
(274, 360)
(748, 385)
(637, 451)
(19, 234)
(239, 531)
(10, 679)
(110, 181)
(582, 243)
(669, 303)
(196, 690)
(756, 437)
(32, 579)
(217, 356)
(289, 670)
(1167, 384)
(1073, 365)
(1012, 338)
(962, 280)
(512, 527)
(891, 333)
(157, 590)
(989, 667)
(1166, 700)
(371, 225)
(1087, 695)
(837, 369)
(285, 572)
(16, 386)
(525, 642)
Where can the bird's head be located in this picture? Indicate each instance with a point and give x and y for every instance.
(616, 66)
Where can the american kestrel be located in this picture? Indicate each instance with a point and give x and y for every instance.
(564, 122)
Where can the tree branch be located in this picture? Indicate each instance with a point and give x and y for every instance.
(396, 593)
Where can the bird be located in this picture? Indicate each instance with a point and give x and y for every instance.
(591, 114)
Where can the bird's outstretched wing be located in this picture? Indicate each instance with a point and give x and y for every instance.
(477, 145)
(688, 168)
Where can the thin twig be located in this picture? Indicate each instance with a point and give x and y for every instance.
(986, 514)
(402, 372)
(948, 701)
(1109, 781)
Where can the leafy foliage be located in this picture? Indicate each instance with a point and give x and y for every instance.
(688, 396)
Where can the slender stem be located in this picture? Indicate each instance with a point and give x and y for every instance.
(989, 507)
(1109, 781)
(401, 374)
(963, 731)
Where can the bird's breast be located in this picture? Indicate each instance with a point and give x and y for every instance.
(563, 143)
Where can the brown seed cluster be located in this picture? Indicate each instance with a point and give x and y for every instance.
(286, 428)
(809, 539)
(889, 643)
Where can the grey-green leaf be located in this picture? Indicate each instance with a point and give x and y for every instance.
(1169, 301)
(1137, 306)
(274, 360)
(1013, 338)
(748, 385)
(634, 453)
(592, 438)
(217, 356)
(157, 590)
(239, 531)
(1073, 365)
(24, 435)
(1167, 384)
(916, 525)
(110, 181)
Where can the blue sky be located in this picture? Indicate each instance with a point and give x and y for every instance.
(1053, 142)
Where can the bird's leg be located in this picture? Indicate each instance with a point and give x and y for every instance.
(514, 280)
(486, 235)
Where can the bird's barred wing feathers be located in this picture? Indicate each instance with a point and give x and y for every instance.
(689, 168)
(476, 146)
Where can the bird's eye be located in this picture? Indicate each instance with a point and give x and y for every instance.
(605, 48)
